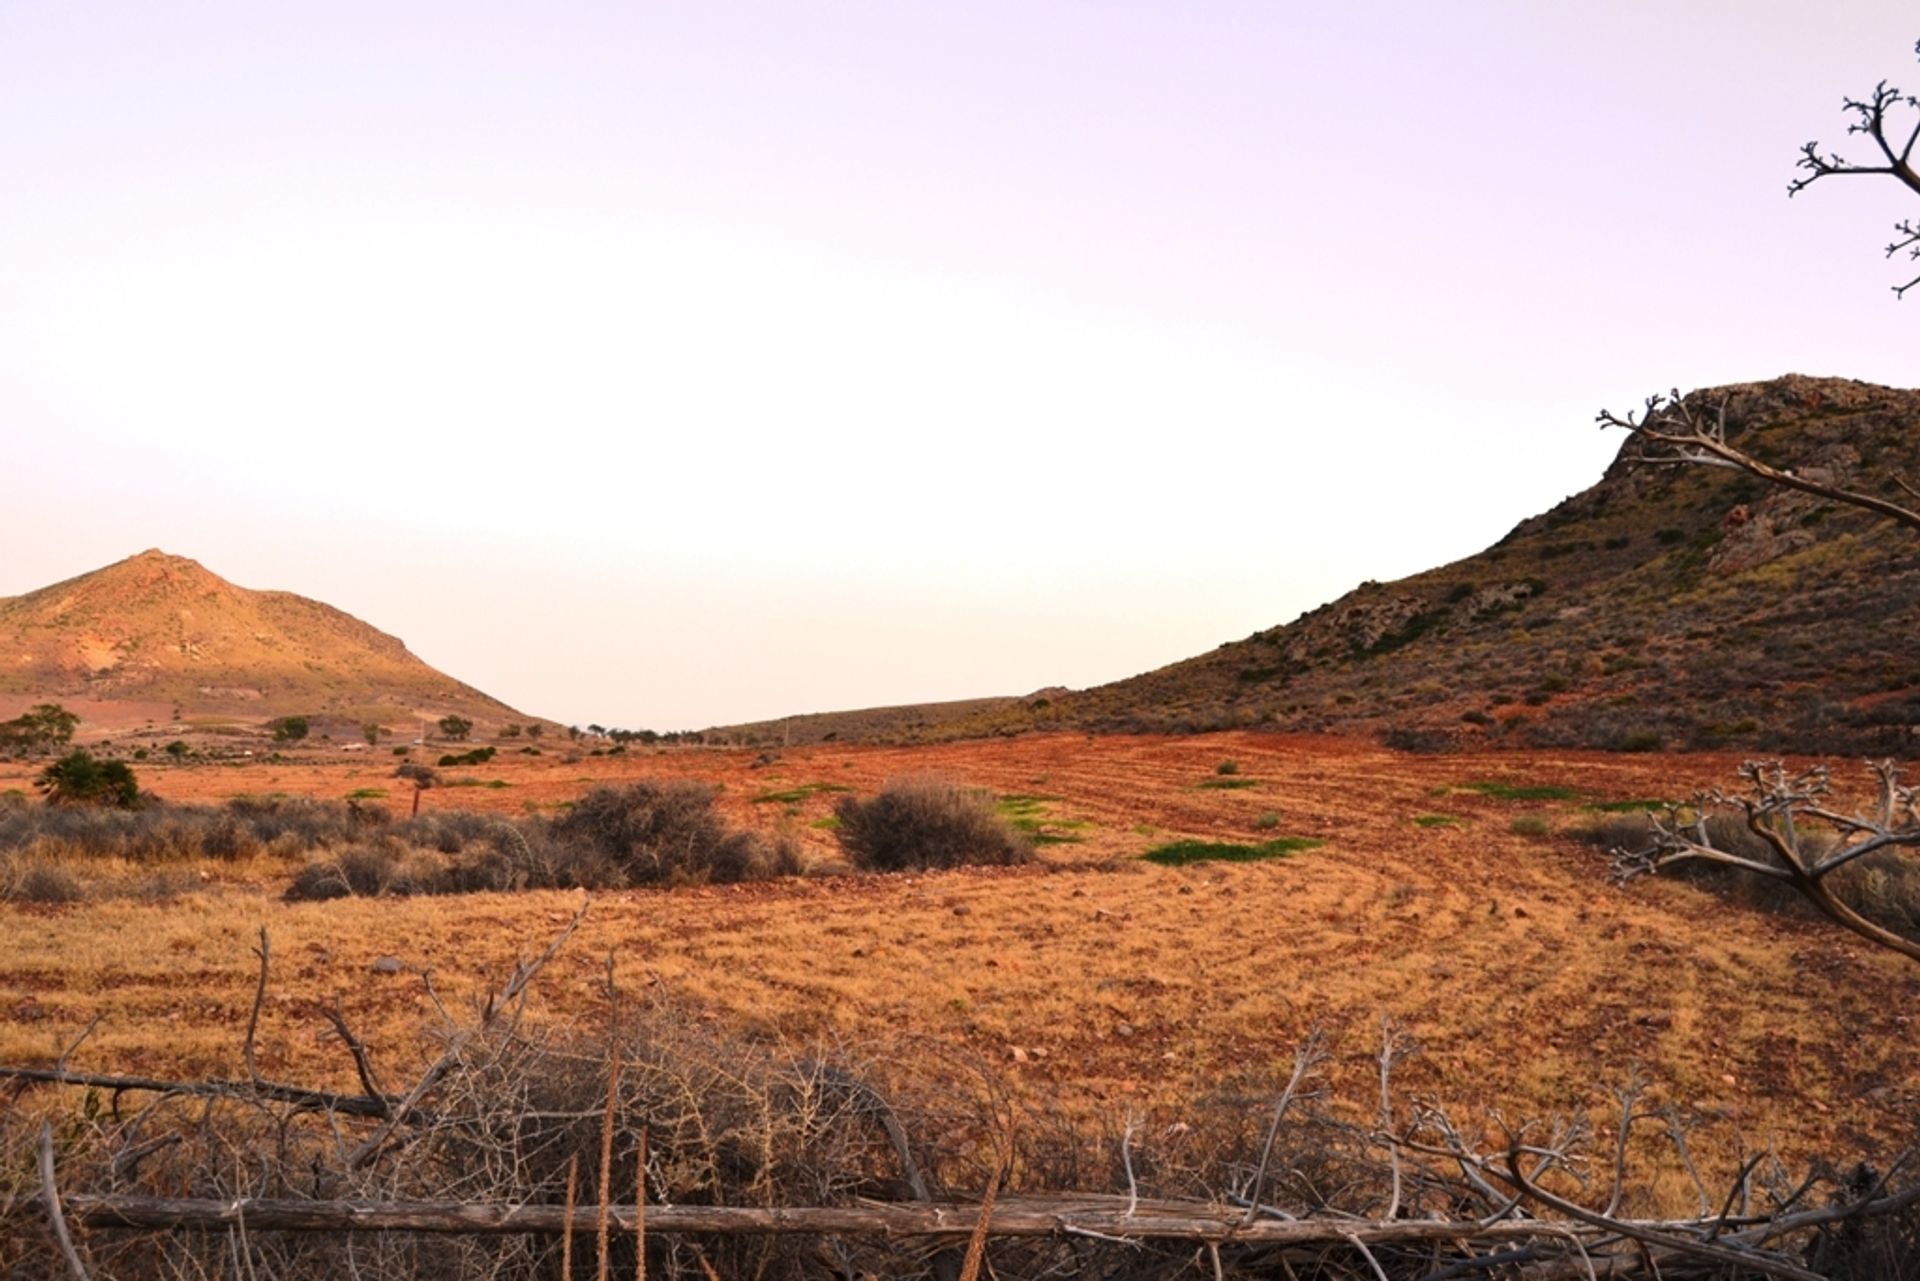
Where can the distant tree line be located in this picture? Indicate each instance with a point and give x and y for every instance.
(644, 737)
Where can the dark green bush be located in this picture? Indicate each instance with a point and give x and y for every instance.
(79, 779)
(914, 824)
(478, 756)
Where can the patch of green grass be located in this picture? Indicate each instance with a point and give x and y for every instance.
(1266, 822)
(1520, 792)
(1181, 853)
(1435, 820)
(1530, 825)
(1026, 815)
(366, 793)
(827, 824)
(1227, 767)
(1627, 807)
(795, 795)
(1228, 784)
(478, 782)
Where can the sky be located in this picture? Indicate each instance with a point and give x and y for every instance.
(672, 364)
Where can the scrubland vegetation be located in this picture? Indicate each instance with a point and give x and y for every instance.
(982, 1045)
(646, 832)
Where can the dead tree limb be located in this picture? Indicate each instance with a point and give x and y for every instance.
(1672, 430)
(1197, 1221)
(297, 1095)
(1654, 1235)
(1784, 810)
(1872, 117)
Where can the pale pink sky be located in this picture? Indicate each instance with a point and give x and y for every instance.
(666, 365)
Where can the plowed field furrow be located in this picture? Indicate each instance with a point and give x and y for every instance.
(1093, 979)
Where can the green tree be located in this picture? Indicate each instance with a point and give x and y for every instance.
(456, 728)
(79, 779)
(288, 729)
(46, 726)
(371, 732)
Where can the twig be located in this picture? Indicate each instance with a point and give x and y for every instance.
(1678, 1133)
(977, 1243)
(362, 1061)
(1732, 1255)
(1392, 1050)
(1628, 1098)
(259, 998)
(1367, 1254)
(1307, 1058)
(566, 1232)
(60, 1064)
(523, 974)
(640, 1212)
(603, 1238)
(55, 1215)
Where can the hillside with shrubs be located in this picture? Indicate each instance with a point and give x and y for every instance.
(1661, 609)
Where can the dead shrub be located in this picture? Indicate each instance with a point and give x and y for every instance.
(38, 880)
(914, 824)
(659, 831)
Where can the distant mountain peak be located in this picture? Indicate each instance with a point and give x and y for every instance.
(164, 630)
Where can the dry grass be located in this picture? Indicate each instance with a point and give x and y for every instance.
(1095, 980)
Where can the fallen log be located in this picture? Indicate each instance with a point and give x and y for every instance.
(1010, 1217)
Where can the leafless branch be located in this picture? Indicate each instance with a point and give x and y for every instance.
(362, 1060)
(1672, 430)
(297, 1095)
(55, 1215)
(253, 1015)
(491, 1012)
(1784, 811)
(1306, 1060)
(1394, 1047)
(1881, 118)
(1657, 1237)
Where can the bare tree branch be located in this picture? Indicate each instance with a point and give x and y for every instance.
(51, 1192)
(1672, 431)
(1874, 118)
(1776, 809)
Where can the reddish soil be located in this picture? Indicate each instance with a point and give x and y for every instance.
(1093, 979)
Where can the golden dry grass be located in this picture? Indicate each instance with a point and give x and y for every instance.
(1532, 985)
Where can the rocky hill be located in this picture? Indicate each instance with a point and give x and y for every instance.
(160, 638)
(1662, 608)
